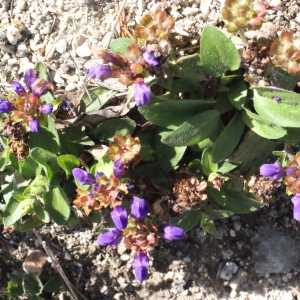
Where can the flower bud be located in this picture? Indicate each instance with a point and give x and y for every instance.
(119, 216)
(5, 106)
(83, 177)
(46, 108)
(149, 59)
(118, 169)
(139, 208)
(99, 71)
(296, 202)
(39, 87)
(34, 125)
(110, 238)
(276, 170)
(171, 233)
(30, 76)
(140, 266)
(17, 88)
(141, 94)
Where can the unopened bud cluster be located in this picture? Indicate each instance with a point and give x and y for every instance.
(243, 15)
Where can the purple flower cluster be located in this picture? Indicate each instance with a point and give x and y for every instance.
(139, 211)
(36, 85)
(276, 170)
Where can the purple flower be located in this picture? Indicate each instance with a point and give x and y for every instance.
(289, 171)
(30, 76)
(140, 266)
(119, 216)
(39, 87)
(110, 238)
(5, 106)
(83, 177)
(276, 170)
(139, 208)
(34, 125)
(46, 108)
(150, 59)
(171, 233)
(118, 168)
(17, 87)
(141, 94)
(99, 71)
(296, 202)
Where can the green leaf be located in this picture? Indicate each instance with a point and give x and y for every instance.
(40, 212)
(12, 212)
(189, 220)
(41, 69)
(226, 167)
(208, 225)
(69, 162)
(77, 134)
(120, 45)
(228, 139)
(73, 219)
(195, 167)
(194, 130)
(108, 129)
(283, 113)
(47, 138)
(53, 285)
(262, 126)
(147, 152)
(33, 284)
(218, 53)
(15, 287)
(239, 203)
(283, 79)
(104, 165)
(95, 216)
(292, 134)
(189, 67)
(216, 197)
(57, 205)
(38, 186)
(30, 168)
(48, 161)
(168, 157)
(189, 85)
(29, 224)
(218, 213)
(206, 161)
(251, 147)
(237, 93)
(171, 114)
(99, 97)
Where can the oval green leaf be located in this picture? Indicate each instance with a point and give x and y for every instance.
(120, 45)
(262, 126)
(69, 162)
(283, 113)
(171, 114)
(12, 212)
(218, 53)
(194, 130)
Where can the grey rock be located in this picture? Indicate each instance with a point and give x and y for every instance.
(228, 270)
(61, 46)
(274, 252)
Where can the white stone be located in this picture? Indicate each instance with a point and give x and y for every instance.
(68, 256)
(61, 46)
(13, 34)
(83, 50)
(50, 49)
(228, 270)
(125, 257)
(70, 87)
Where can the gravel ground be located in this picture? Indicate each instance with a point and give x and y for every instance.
(255, 256)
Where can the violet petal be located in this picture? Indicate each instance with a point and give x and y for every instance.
(140, 266)
(83, 177)
(119, 216)
(110, 238)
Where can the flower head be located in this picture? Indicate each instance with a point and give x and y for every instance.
(119, 216)
(149, 58)
(118, 168)
(296, 202)
(139, 208)
(18, 88)
(99, 71)
(276, 170)
(171, 233)
(140, 266)
(46, 108)
(111, 238)
(83, 177)
(5, 106)
(34, 125)
(142, 94)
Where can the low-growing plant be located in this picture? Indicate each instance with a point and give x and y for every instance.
(203, 120)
